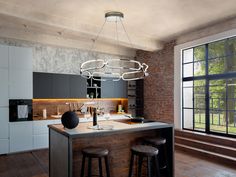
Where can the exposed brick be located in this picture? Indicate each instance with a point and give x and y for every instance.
(159, 85)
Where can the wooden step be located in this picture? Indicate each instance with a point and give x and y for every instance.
(224, 141)
(224, 150)
(218, 158)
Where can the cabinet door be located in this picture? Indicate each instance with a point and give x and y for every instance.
(4, 87)
(114, 89)
(4, 119)
(3, 56)
(107, 89)
(40, 141)
(4, 146)
(120, 89)
(21, 138)
(78, 88)
(20, 58)
(40, 133)
(20, 73)
(61, 87)
(42, 85)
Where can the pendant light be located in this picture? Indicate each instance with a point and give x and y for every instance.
(117, 68)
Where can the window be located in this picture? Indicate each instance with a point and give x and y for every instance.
(209, 87)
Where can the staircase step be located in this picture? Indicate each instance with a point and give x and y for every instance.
(224, 141)
(225, 150)
(223, 159)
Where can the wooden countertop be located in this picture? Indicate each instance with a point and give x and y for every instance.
(82, 129)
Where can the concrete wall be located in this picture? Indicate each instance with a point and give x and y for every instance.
(55, 59)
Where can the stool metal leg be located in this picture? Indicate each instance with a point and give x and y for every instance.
(107, 166)
(131, 165)
(82, 168)
(149, 173)
(157, 168)
(100, 166)
(89, 167)
(166, 161)
(140, 162)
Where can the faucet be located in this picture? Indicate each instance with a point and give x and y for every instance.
(95, 120)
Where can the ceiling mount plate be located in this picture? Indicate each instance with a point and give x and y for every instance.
(114, 15)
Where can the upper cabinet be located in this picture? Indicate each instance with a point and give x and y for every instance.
(4, 56)
(42, 85)
(46, 85)
(114, 89)
(20, 73)
(77, 86)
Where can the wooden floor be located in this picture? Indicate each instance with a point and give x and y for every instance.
(35, 164)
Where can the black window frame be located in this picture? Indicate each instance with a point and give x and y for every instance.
(207, 78)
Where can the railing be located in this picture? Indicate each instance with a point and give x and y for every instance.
(217, 114)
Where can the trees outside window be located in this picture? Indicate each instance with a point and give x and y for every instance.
(209, 87)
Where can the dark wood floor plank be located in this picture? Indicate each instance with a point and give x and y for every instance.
(190, 166)
(35, 164)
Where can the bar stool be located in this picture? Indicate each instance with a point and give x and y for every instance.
(159, 143)
(95, 152)
(143, 151)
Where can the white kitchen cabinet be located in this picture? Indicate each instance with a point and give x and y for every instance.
(20, 73)
(21, 138)
(41, 126)
(40, 141)
(4, 135)
(4, 87)
(40, 133)
(3, 56)
(20, 58)
(4, 146)
(4, 118)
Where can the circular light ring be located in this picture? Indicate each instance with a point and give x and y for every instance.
(85, 74)
(133, 78)
(93, 72)
(106, 76)
(124, 67)
(114, 14)
(89, 63)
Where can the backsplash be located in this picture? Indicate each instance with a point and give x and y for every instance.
(55, 106)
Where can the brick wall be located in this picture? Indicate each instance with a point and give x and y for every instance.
(159, 85)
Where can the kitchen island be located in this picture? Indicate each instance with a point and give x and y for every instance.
(65, 145)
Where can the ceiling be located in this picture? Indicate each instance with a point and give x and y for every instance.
(148, 23)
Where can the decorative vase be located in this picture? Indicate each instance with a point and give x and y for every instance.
(70, 120)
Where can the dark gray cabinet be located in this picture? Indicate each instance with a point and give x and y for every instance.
(78, 88)
(61, 86)
(114, 89)
(42, 85)
(47, 85)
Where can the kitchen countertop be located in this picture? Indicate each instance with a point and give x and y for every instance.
(82, 129)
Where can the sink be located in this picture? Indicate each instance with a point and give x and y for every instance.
(56, 116)
(129, 121)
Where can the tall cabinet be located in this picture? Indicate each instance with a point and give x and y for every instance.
(16, 83)
(4, 110)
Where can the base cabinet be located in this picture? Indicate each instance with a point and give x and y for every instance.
(40, 133)
(25, 136)
(4, 146)
(40, 141)
(21, 136)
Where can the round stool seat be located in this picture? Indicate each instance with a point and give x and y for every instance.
(155, 141)
(144, 150)
(95, 152)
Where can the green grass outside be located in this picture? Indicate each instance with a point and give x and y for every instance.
(215, 128)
